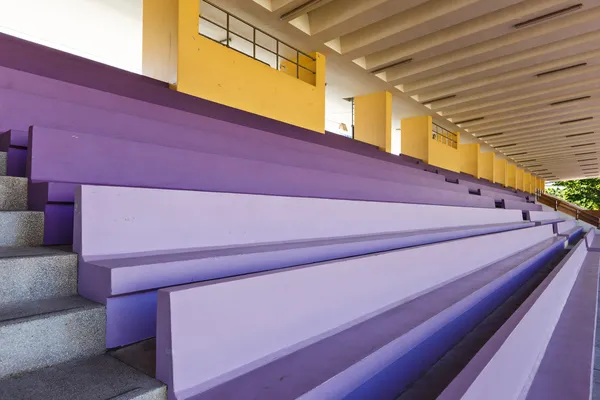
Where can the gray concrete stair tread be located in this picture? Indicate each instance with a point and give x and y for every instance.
(16, 313)
(13, 193)
(96, 378)
(9, 251)
(21, 228)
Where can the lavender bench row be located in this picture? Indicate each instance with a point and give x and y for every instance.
(58, 156)
(570, 230)
(37, 91)
(36, 69)
(363, 327)
(128, 249)
(546, 349)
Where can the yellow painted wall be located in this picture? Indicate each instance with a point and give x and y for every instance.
(469, 158)
(159, 39)
(519, 179)
(527, 182)
(415, 135)
(214, 72)
(511, 176)
(444, 156)
(500, 171)
(373, 119)
(486, 165)
(298, 72)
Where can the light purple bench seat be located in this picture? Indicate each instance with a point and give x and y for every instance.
(592, 240)
(570, 230)
(14, 143)
(212, 235)
(520, 205)
(329, 306)
(546, 349)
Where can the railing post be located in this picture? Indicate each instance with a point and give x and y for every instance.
(555, 205)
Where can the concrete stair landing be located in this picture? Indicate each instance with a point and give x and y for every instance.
(52, 342)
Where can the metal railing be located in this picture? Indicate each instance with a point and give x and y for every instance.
(223, 27)
(568, 208)
(444, 136)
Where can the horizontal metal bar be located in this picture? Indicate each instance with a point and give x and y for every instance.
(258, 29)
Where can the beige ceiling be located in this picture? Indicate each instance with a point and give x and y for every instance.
(523, 76)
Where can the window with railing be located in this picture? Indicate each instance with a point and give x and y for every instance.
(218, 25)
(444, 136)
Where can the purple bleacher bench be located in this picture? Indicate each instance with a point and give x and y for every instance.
(128, 249)
(63, 157)
(546, 348)
(363, 327)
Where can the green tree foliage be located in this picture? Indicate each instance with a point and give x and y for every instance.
(585, 192)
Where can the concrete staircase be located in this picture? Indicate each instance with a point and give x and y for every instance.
(52, 342)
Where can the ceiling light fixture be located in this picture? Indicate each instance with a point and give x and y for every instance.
(585, 144)
(548, 16)
(490, 135)
(554, 71)
(570, 100)
(469, 120)
(588, 165)
(587, 159)
(516, 154)
(572, 121)
(579, 134)
(438, 99)
(378, 70)
(524, 161)
(585, 154)
(505, 145)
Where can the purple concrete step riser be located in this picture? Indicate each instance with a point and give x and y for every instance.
(58, 224)
(181, 118)
(214, 136)
(13, 137)
(131, 317)
(42, 193)
(62, 156)
(16, 162)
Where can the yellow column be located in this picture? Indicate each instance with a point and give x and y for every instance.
(500, 171)
(527, 182)
(414, 136)
(519, 179)
(373, 119)
(469, 158)
(486, 165)
(175, 52)
(511, 176)
(160, 39)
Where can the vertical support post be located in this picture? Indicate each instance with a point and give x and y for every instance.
(227, 32)
(277, 54)
(254, 42)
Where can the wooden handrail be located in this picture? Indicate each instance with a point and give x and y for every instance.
(568, 208)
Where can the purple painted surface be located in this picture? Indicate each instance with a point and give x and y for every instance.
(100, 279)
(40, 193)
(315, 364)
(520, 205)
(58, 224)
(566, 369)
(82, 95)
(62, 156)
(458, 387)
(13, 137)
(16, 162)
(125, 327)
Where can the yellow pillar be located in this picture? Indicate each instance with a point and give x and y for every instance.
(469, 159)
(511, 176)
(527, 182)
(373, 119)
(175, 52)
(487, 165)
(519, 179)
(500, 171)
(414, 136)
